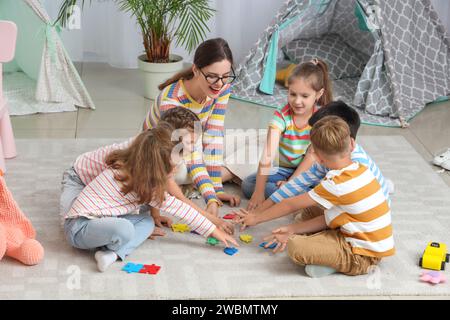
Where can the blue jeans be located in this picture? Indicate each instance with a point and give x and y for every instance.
(277, 174)
(120, 234)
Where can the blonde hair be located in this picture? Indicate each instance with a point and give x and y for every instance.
(330, 135)
(143, 167)
(316, 73)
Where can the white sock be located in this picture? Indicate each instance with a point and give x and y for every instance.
(105, 259)
(316, 271)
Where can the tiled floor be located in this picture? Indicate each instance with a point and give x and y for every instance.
(120, 110)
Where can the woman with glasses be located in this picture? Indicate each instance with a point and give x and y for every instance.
(204, 89)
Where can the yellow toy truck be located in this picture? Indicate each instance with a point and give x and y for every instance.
(435, 256)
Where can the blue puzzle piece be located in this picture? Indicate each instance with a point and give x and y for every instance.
(230, 250)
(272, 246)
(132, 267)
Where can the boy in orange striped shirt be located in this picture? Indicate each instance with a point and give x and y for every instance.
(355, 230)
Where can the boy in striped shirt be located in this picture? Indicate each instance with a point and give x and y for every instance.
(355, 231)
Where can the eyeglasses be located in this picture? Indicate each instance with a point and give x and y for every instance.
(214, 79)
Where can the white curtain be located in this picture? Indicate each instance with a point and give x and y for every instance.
(111, 36)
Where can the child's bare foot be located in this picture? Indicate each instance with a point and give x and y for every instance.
(157, 232)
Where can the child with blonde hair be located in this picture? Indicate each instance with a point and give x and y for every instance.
(105, 188)
(309, 87)
(354, 230)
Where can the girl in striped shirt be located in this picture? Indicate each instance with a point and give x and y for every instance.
(104, 190)
(308, 87)
(204, 89)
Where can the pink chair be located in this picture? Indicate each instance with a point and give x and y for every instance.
(8, 35)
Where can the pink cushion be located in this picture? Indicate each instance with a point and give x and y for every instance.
(8, 35)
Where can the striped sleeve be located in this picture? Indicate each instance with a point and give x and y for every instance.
(300, 184)
(278, 121)
(200, 176)
(189, 215)
(90, 164)
(164, 102)
(325, 194)
(213, 140)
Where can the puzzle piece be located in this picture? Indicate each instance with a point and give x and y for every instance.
(246, 238)
(180, 227)
(433, 277)
(229, 216)
(212, 241)
(230, 250)
(150, 269)
(195, 232)
(272, 246)
(132, 267)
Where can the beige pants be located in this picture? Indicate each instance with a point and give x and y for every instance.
(327, 248)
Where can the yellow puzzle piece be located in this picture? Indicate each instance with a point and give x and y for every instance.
(180, 227)
(246, 238)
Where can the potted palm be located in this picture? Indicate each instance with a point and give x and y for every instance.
(161, 22)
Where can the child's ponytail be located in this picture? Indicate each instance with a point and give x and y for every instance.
(327, 96)
(317, 72)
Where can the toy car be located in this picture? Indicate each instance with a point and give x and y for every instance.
(435, 256)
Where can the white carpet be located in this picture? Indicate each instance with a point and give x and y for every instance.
(192, 269)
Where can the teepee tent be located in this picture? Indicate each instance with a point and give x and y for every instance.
(387, 58)
(41, 78)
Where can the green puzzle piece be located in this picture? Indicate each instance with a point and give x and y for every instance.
(212, 241)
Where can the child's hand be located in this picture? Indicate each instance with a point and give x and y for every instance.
(247, 219)
(222, 236)
(160, 221)
(255, 201)
(225, 226)
(157, 232)
(279, 236)
(213, 208)
(233, 200)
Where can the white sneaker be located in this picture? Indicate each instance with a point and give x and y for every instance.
(446, 165)
(443, 157)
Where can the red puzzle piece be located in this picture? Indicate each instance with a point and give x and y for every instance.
(229, 216)
(150, 269)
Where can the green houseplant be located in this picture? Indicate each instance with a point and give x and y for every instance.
(162, 22)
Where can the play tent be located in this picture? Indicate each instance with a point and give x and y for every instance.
(386, 58)
(41, 78)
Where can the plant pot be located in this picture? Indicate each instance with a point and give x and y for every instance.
(157, 73)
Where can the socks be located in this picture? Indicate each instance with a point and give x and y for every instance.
(105, 259)
(315, 271)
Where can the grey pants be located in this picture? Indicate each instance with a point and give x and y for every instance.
(119, 234)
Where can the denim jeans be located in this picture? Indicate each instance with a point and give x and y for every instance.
(277, 174)
(120, 234)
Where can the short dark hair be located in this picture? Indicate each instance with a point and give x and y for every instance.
(342, 110)
(180, 118)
